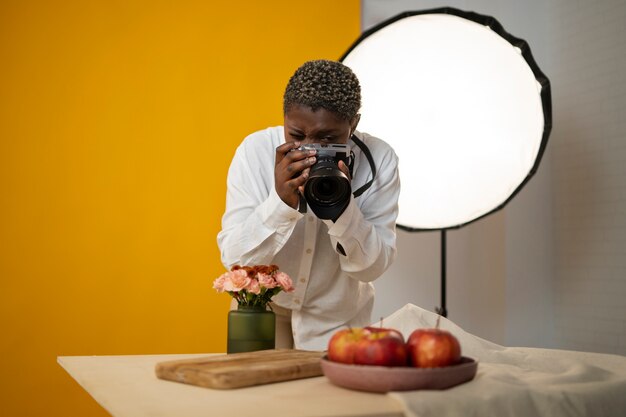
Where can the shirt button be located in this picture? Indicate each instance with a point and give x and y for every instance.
(309, 251)
(303, 280)
(310, 218)
(297, 301)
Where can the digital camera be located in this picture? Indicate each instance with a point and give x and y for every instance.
(327, 190)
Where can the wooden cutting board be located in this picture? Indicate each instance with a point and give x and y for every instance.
(238, 370)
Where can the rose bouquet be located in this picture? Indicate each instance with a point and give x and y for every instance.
(253, 285)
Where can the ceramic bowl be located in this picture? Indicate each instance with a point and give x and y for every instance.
(399, 378)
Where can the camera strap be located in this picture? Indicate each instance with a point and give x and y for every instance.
(370, 159)
(301, 203)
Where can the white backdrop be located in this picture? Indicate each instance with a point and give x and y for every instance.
(550, 269)
(499, 269)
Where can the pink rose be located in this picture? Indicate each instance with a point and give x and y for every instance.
(284, 281)
(236, 280)
(218, 284)
(254, 287)
(266, 281)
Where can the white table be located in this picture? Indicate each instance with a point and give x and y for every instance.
(126, 386)
(511, 381)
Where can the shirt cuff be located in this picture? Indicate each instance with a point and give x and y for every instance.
(275, 213)
(339, 227)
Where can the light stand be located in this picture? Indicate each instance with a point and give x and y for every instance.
(442, 310)
(464, 105)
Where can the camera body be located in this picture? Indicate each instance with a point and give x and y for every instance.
(331, 152)
(327, 190)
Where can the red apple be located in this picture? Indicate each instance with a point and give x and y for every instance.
(432, 348)
(381, 347)
(342, 344)
(392, 332)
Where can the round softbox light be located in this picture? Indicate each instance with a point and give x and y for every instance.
(463, 104)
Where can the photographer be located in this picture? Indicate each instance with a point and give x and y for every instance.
(332, 243)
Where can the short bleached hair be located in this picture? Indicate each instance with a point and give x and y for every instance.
(324, 84)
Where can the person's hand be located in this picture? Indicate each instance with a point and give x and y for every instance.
(344, 168)
(291, 171)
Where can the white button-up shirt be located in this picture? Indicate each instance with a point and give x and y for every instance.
(331, 290)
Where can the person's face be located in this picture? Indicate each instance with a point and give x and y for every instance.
(304, 125)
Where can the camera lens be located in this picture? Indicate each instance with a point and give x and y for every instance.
(327, 185)
(325, 189)
(328, 190)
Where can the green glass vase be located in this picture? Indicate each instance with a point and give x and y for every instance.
(250, 328)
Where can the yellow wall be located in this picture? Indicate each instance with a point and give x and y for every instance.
(118, 120)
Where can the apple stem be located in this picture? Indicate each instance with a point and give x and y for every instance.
(381, 322)
(437, 324)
